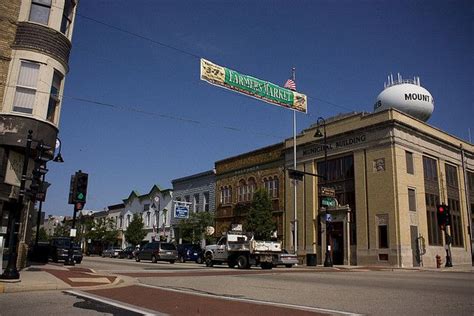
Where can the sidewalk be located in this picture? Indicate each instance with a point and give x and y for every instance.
(57, 277)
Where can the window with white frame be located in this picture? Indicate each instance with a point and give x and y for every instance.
(67, 16)
(129, 219)
(26, 87)
(226, 194)
(242, 191)
(196, 202)
(251, 186)
(271, 186)
(39, 11)
(148, 218)
(206, 201)
(54, 97)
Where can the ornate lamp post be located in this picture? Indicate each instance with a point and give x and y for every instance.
(328, 253)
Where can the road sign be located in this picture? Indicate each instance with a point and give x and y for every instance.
(181, 211)
(328, 201)
(329, 192)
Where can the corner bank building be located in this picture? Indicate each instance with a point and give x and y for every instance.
(389, 171)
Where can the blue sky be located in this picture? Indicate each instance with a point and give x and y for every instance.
(152, 120)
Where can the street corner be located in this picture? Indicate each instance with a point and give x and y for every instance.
(82, 277)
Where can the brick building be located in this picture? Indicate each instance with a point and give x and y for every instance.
(237, 178)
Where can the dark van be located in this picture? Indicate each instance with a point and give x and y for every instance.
(158, 251)
(59, 249)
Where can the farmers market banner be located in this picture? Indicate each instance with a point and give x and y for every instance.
(253, 87)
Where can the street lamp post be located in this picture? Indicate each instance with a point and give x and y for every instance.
(328, 253)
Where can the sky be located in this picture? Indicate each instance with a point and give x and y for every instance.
(135, 112)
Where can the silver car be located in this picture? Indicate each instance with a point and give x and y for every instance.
(111, 252)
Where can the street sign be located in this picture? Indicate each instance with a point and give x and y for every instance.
(181, 211)
(263, 90)
(328, 201)
(329, 192)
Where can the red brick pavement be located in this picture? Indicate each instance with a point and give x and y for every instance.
(176, 303)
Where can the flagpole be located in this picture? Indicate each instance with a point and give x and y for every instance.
(295, 225)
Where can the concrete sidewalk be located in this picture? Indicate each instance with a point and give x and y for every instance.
(57, 277)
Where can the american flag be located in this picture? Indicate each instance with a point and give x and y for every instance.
(290, 84)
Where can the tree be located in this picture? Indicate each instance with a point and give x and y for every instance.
(102, 230)
(135, 231)
(193, 229)
(259, 217)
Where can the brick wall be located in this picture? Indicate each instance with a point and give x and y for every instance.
(9, 10)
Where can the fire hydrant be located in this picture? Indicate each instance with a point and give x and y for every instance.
(438, 261)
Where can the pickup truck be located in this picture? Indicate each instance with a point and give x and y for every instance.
(59, 249)
(243, 251)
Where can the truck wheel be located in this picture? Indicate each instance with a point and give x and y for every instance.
(153, 259)
(209, 262)
(181, 259)
(266, 265)
(199, 260)
(243, 262)
(137, 259)
(231, 263)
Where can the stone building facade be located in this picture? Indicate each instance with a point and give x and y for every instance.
(237, 178)
(389, 171)
(35, 43)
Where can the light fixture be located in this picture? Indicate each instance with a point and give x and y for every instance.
(58, 157)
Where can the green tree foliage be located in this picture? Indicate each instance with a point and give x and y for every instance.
(62, 230)
(135, 231)
(259, 217)
(102, 230)
(43, 235)
(193, 229)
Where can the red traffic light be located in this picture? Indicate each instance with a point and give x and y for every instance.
(441, 209)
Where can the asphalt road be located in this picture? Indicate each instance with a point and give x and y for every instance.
(192, 289)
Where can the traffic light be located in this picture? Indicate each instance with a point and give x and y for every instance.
(79, 187)
(443, 215)
(39, 169)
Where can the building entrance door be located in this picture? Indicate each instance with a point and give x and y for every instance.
(337, 240)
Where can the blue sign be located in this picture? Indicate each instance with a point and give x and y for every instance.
(181, 211)
(328, 217)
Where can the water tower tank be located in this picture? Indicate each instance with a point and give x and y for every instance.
(406, 95)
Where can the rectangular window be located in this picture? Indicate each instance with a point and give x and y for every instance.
(412, 200)
(54, 97)
(383, 236)
(430, 169)
(456, 224)
(26, 87)
(196, 202)
(206, 201)
(434, 232)
(67, 16)
(409, 161)
(187, 198)
(146, 207)
(40, 11)
(451, 176)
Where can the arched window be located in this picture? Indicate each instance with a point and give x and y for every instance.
(251, 187)
(242, 190)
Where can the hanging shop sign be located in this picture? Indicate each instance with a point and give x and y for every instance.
(253, 87)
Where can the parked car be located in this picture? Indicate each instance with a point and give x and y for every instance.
(158, 251)
(286, 259)
(128, 252)
(111, 252)
(190, 252)
(59, 249)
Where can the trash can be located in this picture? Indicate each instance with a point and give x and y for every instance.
(311, 259)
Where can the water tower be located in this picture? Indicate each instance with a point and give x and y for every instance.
(406, 95)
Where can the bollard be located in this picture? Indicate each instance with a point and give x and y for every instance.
(438, 261)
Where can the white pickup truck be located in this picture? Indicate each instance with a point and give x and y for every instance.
(238, 249)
